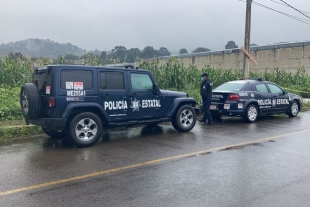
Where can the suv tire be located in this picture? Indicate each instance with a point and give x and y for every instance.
(54, 134)
(85, 129)
(185, 119)
(30, 101)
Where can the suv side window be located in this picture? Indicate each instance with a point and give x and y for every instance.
(275, 89)
(261, 88)
(73, 76)
(141, 81)
(112, 80)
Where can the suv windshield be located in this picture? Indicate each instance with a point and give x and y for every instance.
(230, 87)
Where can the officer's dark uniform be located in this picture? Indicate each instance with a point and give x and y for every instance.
(206, 94)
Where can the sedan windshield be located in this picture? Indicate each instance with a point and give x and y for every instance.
(230, 87)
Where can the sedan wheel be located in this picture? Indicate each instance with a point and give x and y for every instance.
(294, 109)
(251, 113)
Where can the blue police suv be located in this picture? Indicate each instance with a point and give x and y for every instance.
(80, 102)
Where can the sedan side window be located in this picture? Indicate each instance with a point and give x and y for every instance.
(275, 89)
(261, 88)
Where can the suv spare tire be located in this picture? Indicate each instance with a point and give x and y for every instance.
(30, 101)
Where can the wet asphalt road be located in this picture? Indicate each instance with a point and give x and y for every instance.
(232, 163)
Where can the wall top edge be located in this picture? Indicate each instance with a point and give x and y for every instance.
(237, 50)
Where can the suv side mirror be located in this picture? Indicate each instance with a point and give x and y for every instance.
(284, 92)
(155, 89)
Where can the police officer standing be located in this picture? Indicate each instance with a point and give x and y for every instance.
(206, 94)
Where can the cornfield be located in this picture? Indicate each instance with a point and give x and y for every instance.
(15, 72)
(175, 75)
(172, 75)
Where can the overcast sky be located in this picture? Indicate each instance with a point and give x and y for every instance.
(175, 24)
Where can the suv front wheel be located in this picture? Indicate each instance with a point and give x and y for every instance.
(85, 129)
(185, 119)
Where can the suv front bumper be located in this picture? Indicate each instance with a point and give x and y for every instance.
(50, 123)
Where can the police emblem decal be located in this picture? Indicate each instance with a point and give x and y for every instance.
(135, 105)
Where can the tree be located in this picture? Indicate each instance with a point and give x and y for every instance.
(61, 60)
(71, 57)
(103, 57)
(132, 55)
(89, 55)
(16, 56)
(183, 51)
(119, 52)
(163, 52)
(200, 49)
(148, 52)
(91, 59)
(253, 45)
(231, 45)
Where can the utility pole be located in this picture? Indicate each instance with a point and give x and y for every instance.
(247, 38)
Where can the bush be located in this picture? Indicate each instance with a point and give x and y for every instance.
(9, 104)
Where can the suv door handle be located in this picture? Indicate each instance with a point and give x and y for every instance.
(133, 95)
(106, 95)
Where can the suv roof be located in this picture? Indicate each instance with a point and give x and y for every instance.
(84, 66)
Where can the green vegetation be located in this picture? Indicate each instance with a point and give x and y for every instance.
(17, 131)
(15, 72)
(9, 104)
(173, 75)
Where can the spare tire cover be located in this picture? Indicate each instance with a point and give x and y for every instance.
(30, 101)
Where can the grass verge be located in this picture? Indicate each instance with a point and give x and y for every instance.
(306, 106)
(7, 132)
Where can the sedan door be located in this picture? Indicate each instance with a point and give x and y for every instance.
(281, 98)
(264, 98)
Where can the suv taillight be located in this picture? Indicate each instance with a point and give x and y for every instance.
(51, 102)
(233, 97)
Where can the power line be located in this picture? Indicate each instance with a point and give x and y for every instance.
(306, 21)
(294, 8)
(288, 6)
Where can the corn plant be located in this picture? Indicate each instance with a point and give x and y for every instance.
(175, 75)
(15, 72)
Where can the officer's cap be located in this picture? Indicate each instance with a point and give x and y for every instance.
(204, 74)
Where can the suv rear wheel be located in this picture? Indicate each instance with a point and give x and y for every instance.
(85, 129)
(185, 119)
